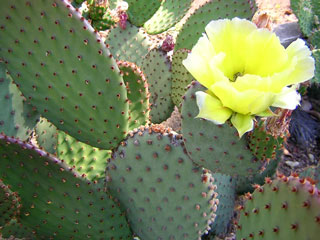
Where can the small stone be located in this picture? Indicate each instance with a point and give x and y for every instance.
(292, 164)
(288, 32)
(311, 157)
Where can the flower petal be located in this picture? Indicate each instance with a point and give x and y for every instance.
(289, 98)
(226, 36)
(210, 108)
(255, 82)
(265, 54)
(201, 61)
(243, 123)
(204, 48)
(305, 66)
(246, 102)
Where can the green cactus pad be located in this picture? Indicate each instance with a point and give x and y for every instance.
(226, 187)
(194, 26)
(140, 11)
(138, 94)
(312, 173)
(130, 44)
(56, 201)
(181, 77)
(169, 13)
(307, 11)
(157, 70)
(86, 160)
(216, 147)
(246, 184)
(64, 69)
(316, 56)
(46, 135)
(282, 209)
(17, 230)
(263, 145)
(17, 117)
(9, 204)
(164, 194)
(96, 12)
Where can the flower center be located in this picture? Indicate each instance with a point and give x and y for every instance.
(235, 76)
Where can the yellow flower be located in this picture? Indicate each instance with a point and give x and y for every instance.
(246, 70)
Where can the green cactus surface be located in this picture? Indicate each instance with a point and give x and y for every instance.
(9, 204)
(194, 26)
(262, 144)
(18, 231)
(130, 44)
(316, 56)
(164, 194)
(169, 13)
(284, 208)
(56, 201)
(46, 135)
(140, 11)
(138, 94)
(246, 184)
(312, 173)
(308, 13)
(181, 77)
(17, 116)
(58, 61)
(157, 69)
(88, 161)
(226, 187)
(215, 147)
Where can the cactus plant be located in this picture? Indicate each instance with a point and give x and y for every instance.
(157, 70)
(164, 194)
(37, 64)
(46, 135)
(284, 208)
(169, 13)
(17, 116)
(55, 199)
(9, 204)
(181, 78)
(100, 169)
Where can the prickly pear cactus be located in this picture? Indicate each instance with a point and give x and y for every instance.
(140, 11)
(164, 194)
(17, 230)
(284, 208)
(138, 94)
(56, 201)
(181, 78)
(216, 147)
(130, 44)
(169, 13)
(157, 69)
(46, 135)
(58, 61)
(88, 161)
(306, 11)
(312, 174)
(262, 144)
(226, 189)
(9, 204)
(17, 116)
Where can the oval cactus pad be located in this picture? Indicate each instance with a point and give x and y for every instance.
(63, 68)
